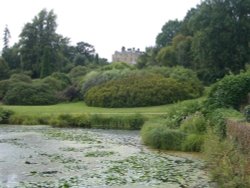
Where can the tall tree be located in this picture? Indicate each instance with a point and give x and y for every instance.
(168, 32)
(36, 38)
(222, 36)
(6, 38)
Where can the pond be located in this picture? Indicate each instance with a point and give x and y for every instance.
(42, 156)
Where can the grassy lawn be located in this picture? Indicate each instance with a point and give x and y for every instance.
(81, 107)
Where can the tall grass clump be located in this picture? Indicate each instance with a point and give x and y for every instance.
(161, 137)
(228, 166)
(5, 115)
(130, 122)
(17, 119)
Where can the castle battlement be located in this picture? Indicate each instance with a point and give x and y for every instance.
(128, 56)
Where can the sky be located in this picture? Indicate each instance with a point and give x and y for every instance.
(106, 24)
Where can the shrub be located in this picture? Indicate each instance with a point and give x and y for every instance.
(4, 69)
(161, 137)
(18, 119)
(187, 77)
(103, 77)
(132, 122)
(218, 122)
(20, 78)
(228, 166)
(68, 120)
(247, 113)
(118, 66)
(4, 86)
(137, 90)
(30, 94)
(240, 133)
(57, 81)
(193, 142)
(71, 93)
(78, 71)
(195, 123)
(5, 115)
(231, 91)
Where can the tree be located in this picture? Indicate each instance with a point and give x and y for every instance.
(4, 69)
(148, 57)
(168, 32)
(6, 37)
(37, 38)
(12, 57)
(166, 56)
(221, 38)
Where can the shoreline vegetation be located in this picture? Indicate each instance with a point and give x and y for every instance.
(198, 71)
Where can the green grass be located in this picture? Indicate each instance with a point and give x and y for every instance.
(82, 108)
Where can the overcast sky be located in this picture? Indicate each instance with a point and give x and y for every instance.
(106, 24)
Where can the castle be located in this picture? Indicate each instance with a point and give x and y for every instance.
(128, 56)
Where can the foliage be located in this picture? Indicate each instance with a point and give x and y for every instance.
(57, 81)
(77, 72)
(240, 133)
(195, 124)
(193, 142)
(136, 91)
(20, 78)
(4, 69)
(29, 94)
(67, 120)
(231, 91)
(5, 115)
(128, 122)
(247, 113)
(103, 77)
(166, 56)
(228, 166)
(18, 119)
(168, 31)
(4, 86)
(161, 137)
(186, 76)
(118, 66)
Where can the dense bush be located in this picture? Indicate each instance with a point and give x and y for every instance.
(117, 71)
(118, 66)
(247, 113)
(57, 81)
(20, 78)
(103, 77)
(195, 123)
(5, 115)
(137, 90)
(183, 75)
(193, 142)
(77, 72)
(4, 69)
(161, 137)
(240, 133)
(231, 91)
(4, 86)
(30, 94)
(228, 166)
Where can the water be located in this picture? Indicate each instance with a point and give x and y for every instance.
(42, 156)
